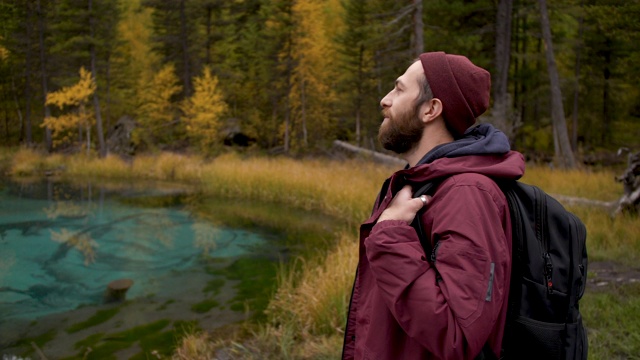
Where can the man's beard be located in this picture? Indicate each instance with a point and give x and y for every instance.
(402, 132)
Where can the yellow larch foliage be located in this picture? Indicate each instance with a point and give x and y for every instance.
(75, 97)
(135, 29)
(4, 53)
(79, 241)
(205, 237)
(157, 110)
(203, 111)
(313, 83)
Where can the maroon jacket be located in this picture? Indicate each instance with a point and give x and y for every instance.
(405, 307)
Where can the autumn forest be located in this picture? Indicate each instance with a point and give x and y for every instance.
(292, 76)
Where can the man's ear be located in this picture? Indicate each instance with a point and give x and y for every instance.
(431, 110)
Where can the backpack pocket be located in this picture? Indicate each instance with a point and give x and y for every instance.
(536, 339)
(575, 342)
(538, 304)
(532, 339)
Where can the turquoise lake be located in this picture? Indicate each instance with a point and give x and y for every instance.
(61, 244)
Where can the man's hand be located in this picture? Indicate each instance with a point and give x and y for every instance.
(403, 206)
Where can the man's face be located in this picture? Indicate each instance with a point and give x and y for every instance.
(402, 127)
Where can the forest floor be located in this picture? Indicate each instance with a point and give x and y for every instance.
(604, 274)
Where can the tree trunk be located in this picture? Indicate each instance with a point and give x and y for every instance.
(185, 50)
(107, 109)
(305, 140)
(418, 28)
(606, 116)
(576, 87)
(27, 76)
(287, 110)
(102, 148)
(43, 73)
(501, 104)
(82, 111)
(6, 97)
(88, 129)
(207, 59)
(564, 155)
(17, 103)
(359, 96)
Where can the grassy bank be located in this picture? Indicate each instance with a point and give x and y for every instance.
(305, 317)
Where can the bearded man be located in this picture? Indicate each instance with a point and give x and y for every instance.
(451, 302)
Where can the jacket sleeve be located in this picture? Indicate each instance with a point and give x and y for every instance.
(450, 306)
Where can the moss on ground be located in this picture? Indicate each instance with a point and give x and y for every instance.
(39, 340)
(204, 306)
(101, 316)
(164, 305)
(105, 346)
(214, 286)
(256, 282)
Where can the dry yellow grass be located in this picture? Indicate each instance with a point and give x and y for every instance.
(597, 185)
(314, 297)
(307, 313)
(343, 189)
(28, 162)
(194, 347)
(611, 239)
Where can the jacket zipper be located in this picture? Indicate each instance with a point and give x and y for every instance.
(346, 327)
(433, 252)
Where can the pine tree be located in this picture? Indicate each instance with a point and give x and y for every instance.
(17, 20)
(313, 78)
(42, 11)
(134, 64)
(356, 65)
(563, 151)
(500, 112)
(81, 32)
(249, 70)
(174, 36)
(272, 54)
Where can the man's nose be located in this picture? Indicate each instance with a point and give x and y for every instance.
(385, 102)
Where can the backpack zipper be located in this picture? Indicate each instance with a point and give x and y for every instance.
(548, 270)
(581, 233)
(541, 207)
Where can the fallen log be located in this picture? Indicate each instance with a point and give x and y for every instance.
(377, 156)
(571, 201)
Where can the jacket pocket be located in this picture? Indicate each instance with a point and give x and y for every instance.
(465, 276)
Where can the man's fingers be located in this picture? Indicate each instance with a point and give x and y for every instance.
(405, 192)
(424, 199)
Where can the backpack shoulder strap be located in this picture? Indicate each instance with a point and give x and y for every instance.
(429, 188)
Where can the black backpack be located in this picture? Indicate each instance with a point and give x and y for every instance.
(548, 276)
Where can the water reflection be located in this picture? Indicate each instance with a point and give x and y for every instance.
(60, 249)
(193, 259)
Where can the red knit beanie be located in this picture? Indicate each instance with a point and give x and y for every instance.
(462, 87)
